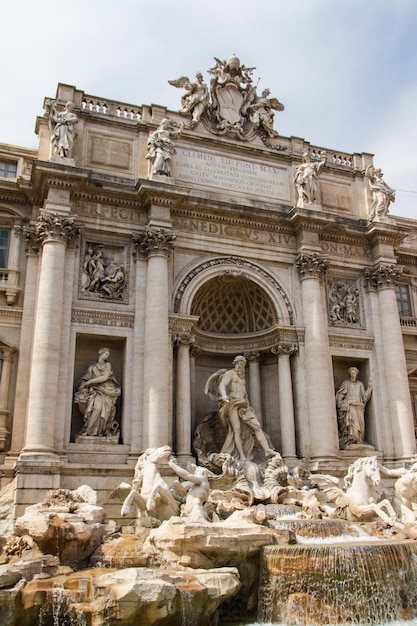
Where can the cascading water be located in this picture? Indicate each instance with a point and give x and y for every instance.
(339, 583)
(58, 609)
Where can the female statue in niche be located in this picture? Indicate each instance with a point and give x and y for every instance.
(96, 396)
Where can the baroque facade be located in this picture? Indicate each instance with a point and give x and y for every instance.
(143, 249)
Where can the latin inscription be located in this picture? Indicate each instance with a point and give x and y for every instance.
(125, 214)
(235, 232)
(345, 249)
(231, 174)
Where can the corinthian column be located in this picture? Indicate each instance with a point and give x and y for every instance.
(183, 339)
(54, 233)
(319, 376)
(383, 279)
(255, 390)
(286, 403)
(157, 245)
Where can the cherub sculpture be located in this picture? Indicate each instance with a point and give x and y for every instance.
(261, 112)
(196, 99)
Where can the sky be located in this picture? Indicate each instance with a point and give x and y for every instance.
(346, 70)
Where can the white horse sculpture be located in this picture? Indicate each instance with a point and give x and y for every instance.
(149, 491)
(356, 501)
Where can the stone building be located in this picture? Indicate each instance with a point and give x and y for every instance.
(178, 240)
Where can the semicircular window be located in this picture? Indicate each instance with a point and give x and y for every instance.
(233, 305)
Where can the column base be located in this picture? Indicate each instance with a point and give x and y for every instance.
(38, 456)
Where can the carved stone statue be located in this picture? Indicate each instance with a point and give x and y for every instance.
(228, 388)
(357, 501)
(382, 194)
(62, 128)
(351, 398)
(97, 394)
(154, 499)
(161, 147)
(306, 179)
(196, 99)
(405, 492)
(261, 112)
(198, 490)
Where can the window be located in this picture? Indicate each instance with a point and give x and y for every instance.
(4, 247)
(404, 300)
(8, 169)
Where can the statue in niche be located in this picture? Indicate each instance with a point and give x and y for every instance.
(62, 128)
(261, 112)
(382, 194)
(228, 388)
(161, 147)
(196, 99)
(103, 276)
(306, 179)
(97, 394)
(351, 399)
(343, 303)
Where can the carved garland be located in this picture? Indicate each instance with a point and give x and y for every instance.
(240, 263)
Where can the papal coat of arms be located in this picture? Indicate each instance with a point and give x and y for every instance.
(231, 104)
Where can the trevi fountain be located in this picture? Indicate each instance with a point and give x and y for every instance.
(235, 538)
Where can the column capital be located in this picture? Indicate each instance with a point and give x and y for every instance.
(253, 356)
(51, 227)
(284, 348)
(311, 266)
(154, 242)
(382, 277)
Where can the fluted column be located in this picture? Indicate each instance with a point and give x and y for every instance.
(383, 279)
(7, 358)
(194, 353)
(319, 376)
(255, 387)
(286, 402)
(54, 233)
(157, 245)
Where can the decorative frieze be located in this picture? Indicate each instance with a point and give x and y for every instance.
(351, 342)
(102, 318)
(311, 266)
(382, 277)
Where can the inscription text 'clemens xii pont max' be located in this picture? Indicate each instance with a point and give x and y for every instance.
(231, 174)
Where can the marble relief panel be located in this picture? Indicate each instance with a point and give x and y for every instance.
(104, 271)
(344, 302)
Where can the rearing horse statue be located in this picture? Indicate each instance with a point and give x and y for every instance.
(356, 501)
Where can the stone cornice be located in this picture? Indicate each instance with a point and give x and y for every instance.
(270, 222)
(351, 342)
(102, 318)
(247, 342)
